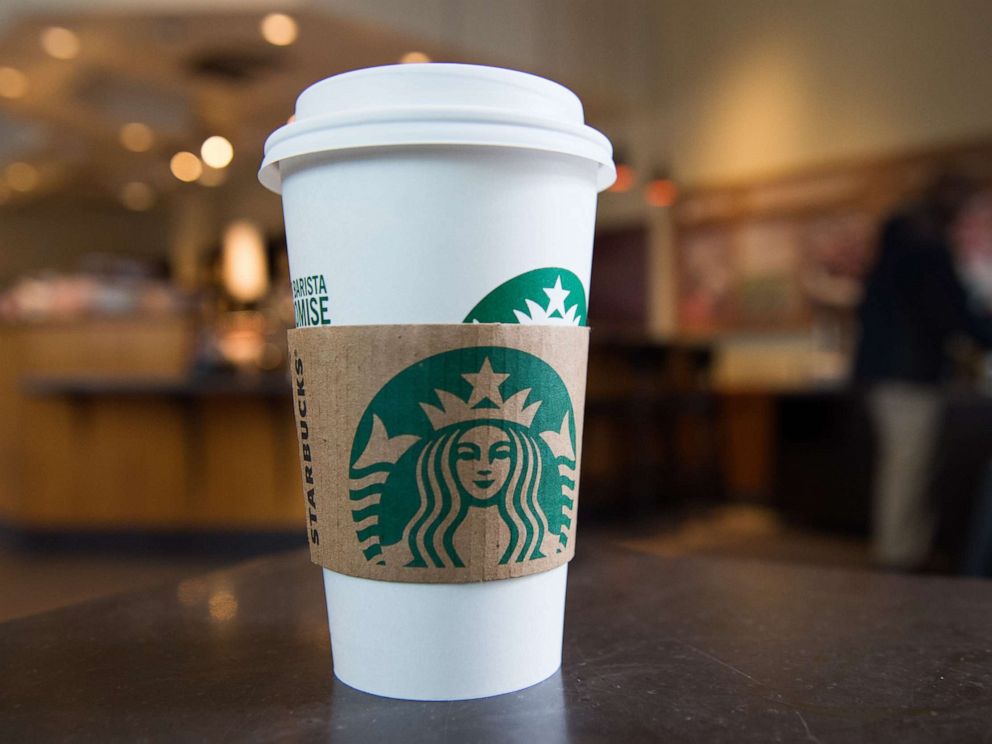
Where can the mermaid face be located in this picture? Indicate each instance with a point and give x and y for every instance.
(482, 461)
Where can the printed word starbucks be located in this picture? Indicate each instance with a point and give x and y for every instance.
(306, 451)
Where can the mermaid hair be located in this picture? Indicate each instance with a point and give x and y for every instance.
(444, 504)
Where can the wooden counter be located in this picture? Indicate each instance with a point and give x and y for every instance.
(104, 430)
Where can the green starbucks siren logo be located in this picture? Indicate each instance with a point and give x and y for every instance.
(540, 297)
(471, 433)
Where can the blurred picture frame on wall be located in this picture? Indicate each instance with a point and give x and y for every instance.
(790, 252)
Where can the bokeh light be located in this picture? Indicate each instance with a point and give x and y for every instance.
(661, 192)
(279, 29)
(186, 166)
(137, 137)
(22, 176)
(243, 262)
(13, 82)
(60, 42)
(625, 179)
(217, 151)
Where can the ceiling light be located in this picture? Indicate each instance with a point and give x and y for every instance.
(137, 137)
(186, 166)
(411, 58)
(21, 176)
(13, 82)
(279, 29)
(137, 196)
(217, 151)
(59, 42)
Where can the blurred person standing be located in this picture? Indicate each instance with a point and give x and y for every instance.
(914, 304)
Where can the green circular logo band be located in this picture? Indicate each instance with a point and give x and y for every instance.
(549, 296)
(470, 433)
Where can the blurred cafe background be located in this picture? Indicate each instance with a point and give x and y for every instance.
(790, 293)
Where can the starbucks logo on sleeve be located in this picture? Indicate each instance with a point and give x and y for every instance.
(551, 296)
(481, 433)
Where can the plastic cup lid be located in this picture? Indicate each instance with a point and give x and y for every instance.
(436, 104)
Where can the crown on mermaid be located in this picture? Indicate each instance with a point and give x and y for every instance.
(485, 401)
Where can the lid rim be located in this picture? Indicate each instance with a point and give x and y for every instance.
(596, 150)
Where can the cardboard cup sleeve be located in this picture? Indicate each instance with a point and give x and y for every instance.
(440, 453)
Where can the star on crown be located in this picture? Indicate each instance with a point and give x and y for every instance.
(555, 313)
(485, 387)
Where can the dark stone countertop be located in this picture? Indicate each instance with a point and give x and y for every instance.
(656, 649)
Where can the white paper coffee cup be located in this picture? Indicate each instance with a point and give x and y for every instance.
(440, 194)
